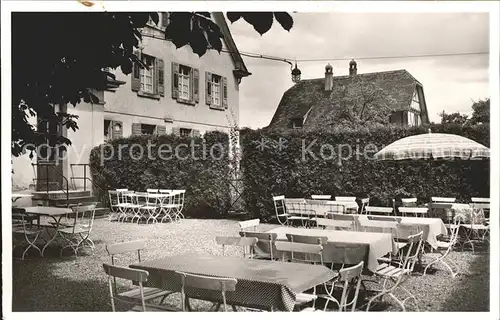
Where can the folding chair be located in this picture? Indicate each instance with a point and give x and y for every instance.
(365, 202)
(134, 275)
(280, 210)
(114, 210)
(477, 230)
(399, 274)
(245, 225)
(77, 236)
(445, 247)
(134, 295)
(309, 254)
(247, 243)
(416, 212)
(192, 283)
(379, 210)
(264, 249)
(348, 278)
(22, 227)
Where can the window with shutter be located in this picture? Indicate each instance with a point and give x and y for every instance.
(147, 75)
(136, 129)
(184, 82)
(160, 77)
(208, 88)
(175, 80)
(116, 129)
(185, 132)
(216, 91)
(160, 130)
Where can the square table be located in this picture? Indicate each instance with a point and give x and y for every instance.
(262, 284)
(56, 213)
(378, 244)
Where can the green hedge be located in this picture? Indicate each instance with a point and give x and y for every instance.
(205, 178)
(270, 170)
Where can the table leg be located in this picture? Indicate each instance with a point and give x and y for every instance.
(55, 233)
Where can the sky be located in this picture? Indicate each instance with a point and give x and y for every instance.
(451, 83)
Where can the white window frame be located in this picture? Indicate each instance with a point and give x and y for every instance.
(216, 90)
(148, 75)
(184, 82)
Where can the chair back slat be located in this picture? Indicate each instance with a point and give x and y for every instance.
(260, 235)
(276, 198)
(299, 247)
(335, 223)
(236, 241)
(413, 210)
(126, 273)
(124, 247)
(207, 283)
(348, 274)
(443, 199)
(321, 197)
(483, 200)
(384, 210)
(384, 218)
(409, 200)
(479, 205)
(306, 239)
(345, 217)
(346, 199)
(249, 224)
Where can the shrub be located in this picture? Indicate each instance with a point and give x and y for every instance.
(270, 170)
(205, 178)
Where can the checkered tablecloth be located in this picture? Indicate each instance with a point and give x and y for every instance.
(377, 244)
(261, 284)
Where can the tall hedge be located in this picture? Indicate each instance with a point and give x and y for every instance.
(272, 168)
(205, 178)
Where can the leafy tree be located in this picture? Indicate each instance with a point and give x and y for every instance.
(58, 58)
(455, 117)
(481, 113)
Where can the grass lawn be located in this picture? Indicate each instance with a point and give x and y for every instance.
(79, 283)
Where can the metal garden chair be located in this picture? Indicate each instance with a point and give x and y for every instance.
(280, 210)
(134, 295)
(77, 236)
(23, 231)
(246, 243)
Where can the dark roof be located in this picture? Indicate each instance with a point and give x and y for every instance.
(395, 89)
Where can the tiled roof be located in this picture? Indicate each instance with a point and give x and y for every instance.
(395, 90)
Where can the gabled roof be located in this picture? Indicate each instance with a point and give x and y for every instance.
(240, 68)
(394, 88)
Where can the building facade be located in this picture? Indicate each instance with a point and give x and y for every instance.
(179, 93)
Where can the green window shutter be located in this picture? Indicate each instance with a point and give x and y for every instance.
(208, 89)
(160, 130)
(196, 133)
(196, 85)
(136, 129)
(224, 92)
(117, 129)
(176, 131)
(160, 77)
(136, 75)
(175, 80)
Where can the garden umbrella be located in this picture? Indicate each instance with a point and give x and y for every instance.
(433, 146)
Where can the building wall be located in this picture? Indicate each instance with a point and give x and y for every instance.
(127, 106)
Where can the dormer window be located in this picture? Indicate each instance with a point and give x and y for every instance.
(297, 123)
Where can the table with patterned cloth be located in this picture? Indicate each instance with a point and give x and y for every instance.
(376, 244)
(350, 207)
(431, 227)
(262, 284)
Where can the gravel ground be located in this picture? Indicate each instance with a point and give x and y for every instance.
(79, 284)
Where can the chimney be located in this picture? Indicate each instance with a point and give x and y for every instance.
(328, 77)
(353, 68)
